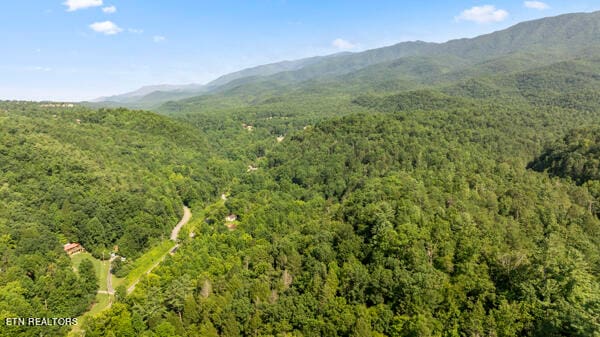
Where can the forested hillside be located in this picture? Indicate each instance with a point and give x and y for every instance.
(576, 157)
(415, 215)
(404, 66)
(400, 201)
(417, 190)
(101, 178)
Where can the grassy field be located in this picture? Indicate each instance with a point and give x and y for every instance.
(117, 281)
(144, 264)
(102, 302)
(141, 266)
(101, 267)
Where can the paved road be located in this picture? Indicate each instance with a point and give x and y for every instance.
(109, 287)
(187, 215)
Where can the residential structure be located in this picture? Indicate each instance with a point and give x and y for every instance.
(73, 248)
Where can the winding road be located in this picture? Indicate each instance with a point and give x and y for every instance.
(109, 288)
(187, 215)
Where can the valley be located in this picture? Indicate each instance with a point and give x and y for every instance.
(106, 292)
(420, 189)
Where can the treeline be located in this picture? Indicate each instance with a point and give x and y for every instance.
(423, 221)
(102, 178)
(405, 214)
(576, 156)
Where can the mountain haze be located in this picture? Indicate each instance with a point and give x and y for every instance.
(520, 47)
(420, 189)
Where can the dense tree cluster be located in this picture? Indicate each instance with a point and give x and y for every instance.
(100, 178)
(576, 156)
(415, 190)
(416, 218)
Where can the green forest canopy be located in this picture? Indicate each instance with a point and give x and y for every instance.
(450, 195)
(415, 215)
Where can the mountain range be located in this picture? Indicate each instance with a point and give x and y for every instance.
(406, 65)
(421, 189)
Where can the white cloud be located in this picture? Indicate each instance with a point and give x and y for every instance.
(74, 5)
(38, 68)
(483, 14)
(536, 5)
(342, 44)
(106, 28)
(109, 9)
(135, 31)
(158, 38)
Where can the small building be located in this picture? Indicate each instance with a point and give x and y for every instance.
(73, 248)
(231, 218)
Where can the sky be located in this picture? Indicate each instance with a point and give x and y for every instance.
(72, 50)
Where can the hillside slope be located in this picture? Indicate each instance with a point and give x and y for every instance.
(418, 218)
(521, 47)
(100, 178)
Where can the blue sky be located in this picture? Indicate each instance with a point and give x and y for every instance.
(82, 49)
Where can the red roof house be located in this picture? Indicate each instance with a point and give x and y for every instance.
(73, 248)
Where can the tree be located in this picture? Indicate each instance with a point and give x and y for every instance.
(87, 274)
(120, 293)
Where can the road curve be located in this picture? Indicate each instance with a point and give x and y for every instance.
(187, 215)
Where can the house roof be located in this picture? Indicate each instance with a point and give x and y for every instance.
(70, 246)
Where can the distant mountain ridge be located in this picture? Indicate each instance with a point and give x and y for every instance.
(152, 93)
(143, 91)
(148, 95)
(404, 65)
